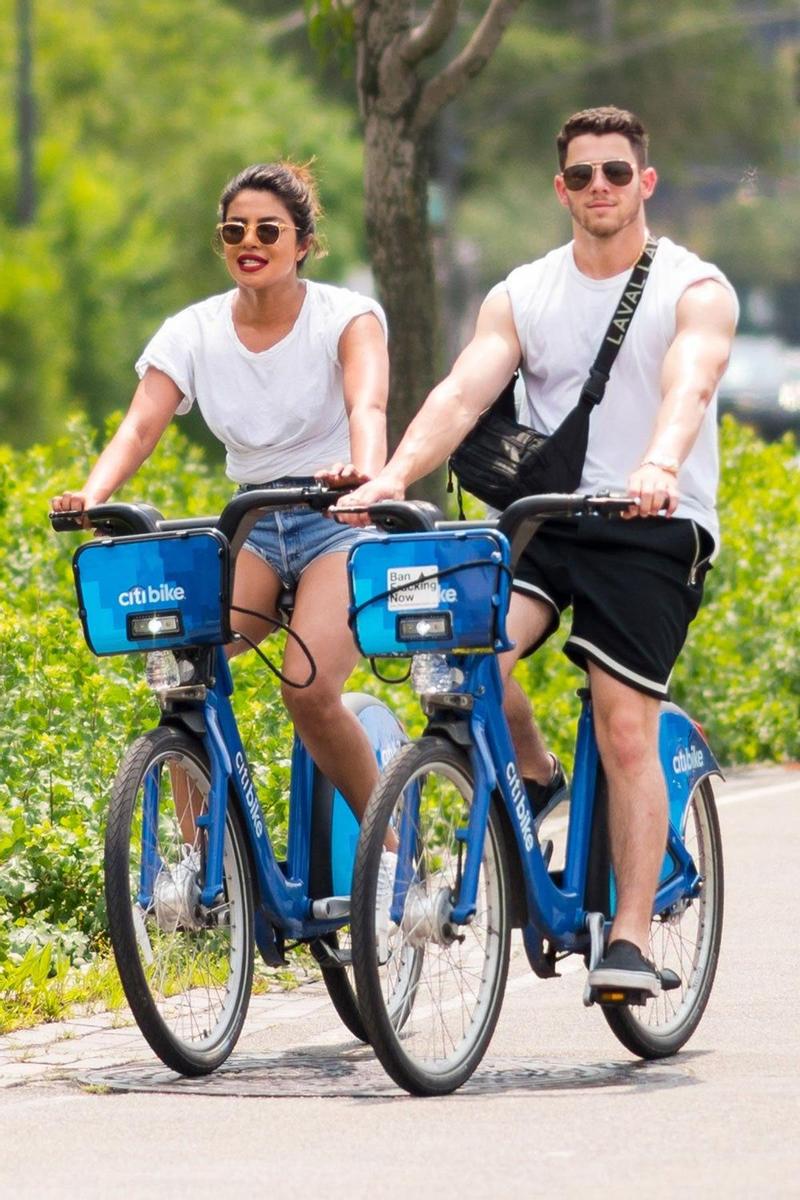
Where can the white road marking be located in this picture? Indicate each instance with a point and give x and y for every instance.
(757, 793)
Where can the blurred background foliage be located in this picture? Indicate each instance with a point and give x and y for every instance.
(135, 116)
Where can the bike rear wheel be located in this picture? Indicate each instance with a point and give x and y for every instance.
(429, 992)
(686, 940)
(186, 971)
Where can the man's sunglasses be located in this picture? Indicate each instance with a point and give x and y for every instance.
(267, 232)
(577, 177)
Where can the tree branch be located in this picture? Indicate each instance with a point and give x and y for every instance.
(618, 54)
(279, 27)
(427, 37)
(473, 58)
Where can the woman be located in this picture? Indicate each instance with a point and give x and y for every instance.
(292, 377)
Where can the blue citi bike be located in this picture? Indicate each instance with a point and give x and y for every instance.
(191, 879)
(470, 865)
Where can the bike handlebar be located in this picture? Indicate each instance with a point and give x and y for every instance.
(519, 522)
(235, 521)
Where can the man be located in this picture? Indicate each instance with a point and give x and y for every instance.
(634, 584)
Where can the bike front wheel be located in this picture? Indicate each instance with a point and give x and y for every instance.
(684, 939)
(429, 991)
(186, 970)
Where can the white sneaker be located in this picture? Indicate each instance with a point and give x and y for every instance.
(176, 893)
(384, 893)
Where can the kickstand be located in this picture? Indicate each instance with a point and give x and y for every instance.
(596, 924)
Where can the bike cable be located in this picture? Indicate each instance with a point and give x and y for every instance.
(312, 675)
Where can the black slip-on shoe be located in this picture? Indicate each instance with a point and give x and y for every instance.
(544, 797)
(624, 970)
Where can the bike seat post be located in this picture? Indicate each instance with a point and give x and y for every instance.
(285, 603)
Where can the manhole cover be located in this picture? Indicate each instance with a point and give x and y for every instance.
(315, 1073)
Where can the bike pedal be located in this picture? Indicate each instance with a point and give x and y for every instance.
(332, 956)
(618, 997)
(669, 980)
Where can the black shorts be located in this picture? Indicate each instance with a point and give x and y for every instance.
(634, 587)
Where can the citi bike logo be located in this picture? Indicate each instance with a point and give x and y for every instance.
(165, 593)
(521, 806)
(686, 761)
(249, 793)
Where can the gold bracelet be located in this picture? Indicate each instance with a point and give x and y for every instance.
(666, 464)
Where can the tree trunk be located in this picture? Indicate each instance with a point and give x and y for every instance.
(395, 182)
(399, 106)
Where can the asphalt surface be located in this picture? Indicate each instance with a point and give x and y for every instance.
(558, 1105)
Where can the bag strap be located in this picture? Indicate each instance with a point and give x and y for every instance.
(594, 388)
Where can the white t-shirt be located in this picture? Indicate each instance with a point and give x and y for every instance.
(279, 411)
(561, 316)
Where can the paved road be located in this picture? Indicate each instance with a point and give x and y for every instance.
(558, 1104)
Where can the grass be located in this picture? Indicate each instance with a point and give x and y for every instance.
(44, 987)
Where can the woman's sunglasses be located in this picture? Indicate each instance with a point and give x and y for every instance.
(577, 177)
(267, 232)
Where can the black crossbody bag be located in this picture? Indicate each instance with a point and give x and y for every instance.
(500, 461)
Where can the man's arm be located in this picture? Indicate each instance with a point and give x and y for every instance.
(478, 376)
(693, 367)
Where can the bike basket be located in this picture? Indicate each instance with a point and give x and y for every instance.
(413, 592)
(154, 591)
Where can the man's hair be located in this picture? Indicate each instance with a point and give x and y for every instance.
(604, 120)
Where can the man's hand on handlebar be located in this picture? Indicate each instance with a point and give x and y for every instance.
(382, 487)
(656, 491)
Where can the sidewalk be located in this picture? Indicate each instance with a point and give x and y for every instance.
(62, 1049)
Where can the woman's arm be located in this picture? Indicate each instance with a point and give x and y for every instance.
(151, 409)
(365, 381)
(477, 377)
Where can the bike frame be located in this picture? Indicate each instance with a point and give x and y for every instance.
(555, 902)
(281, 888)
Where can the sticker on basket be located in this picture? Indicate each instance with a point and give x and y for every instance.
(422, 591)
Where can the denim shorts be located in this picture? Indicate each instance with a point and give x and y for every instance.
(289, 540)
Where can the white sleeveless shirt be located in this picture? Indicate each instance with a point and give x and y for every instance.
(561, 316)
(278, 411)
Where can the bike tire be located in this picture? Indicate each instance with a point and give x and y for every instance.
(431, 1004)
(187, 974)
(686, 940)
(340, 983)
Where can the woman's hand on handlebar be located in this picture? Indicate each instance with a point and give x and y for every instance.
(75, 502)
(341, 475)
(382, 487)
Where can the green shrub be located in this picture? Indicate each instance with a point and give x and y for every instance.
(66, 716)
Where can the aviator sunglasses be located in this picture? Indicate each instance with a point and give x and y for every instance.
(577, 177)
(267, 232)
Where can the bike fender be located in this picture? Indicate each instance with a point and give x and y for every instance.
(335, 828)
(190, 719)
(686, 758)
(450, 725)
